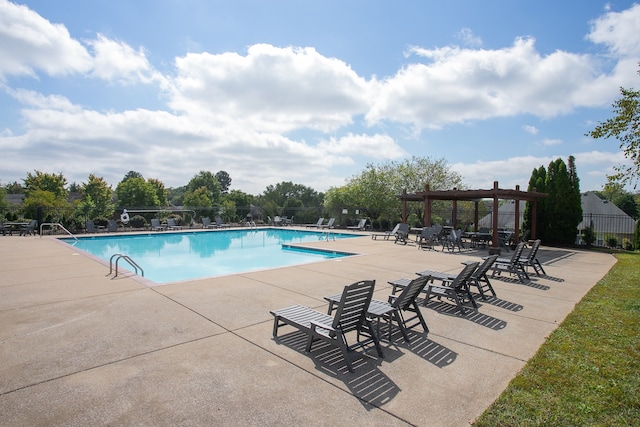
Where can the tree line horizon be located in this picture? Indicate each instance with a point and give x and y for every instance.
(372, 193)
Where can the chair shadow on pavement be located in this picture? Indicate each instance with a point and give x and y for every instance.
(551, 278)
(473, 315)
(532, 282)
(421, 346)
(367, 383)
(495, 301)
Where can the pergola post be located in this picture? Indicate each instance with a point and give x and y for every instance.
(427, 208)
(454, 212)
(494, 217)
(534, 216)
(516, 225)
(475, 216)
(404, 205)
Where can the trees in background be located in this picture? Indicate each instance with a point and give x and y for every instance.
(374, 192)
(136, 192)
(225, 181)
(49, 182)
(563, 205)
(3, 198)
(287, 198)
(97, 198)
(44, 189)
(161, 191)
(615, 193)
(207, 180)
(537, 181)
(559, 214)
(14, 188)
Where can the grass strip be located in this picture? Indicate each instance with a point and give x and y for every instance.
(587, 373)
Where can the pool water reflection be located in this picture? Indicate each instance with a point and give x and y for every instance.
(171, 257)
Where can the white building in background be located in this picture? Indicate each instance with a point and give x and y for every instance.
(605, 219)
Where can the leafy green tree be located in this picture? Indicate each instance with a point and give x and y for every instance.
(45, 190)
(3, 198)
(242, 202)
(292, 206)
(538, 181)
(625, 127)
(199, 198)
(615, 193)
(375, 190)
(97, 197)
(175, 196)
(241, 199)
(338, 198)
(136, 192)
(37, 199)
(225, 181)
(53, 183)
(274, 200)
(42, 198)
(14, 188)
(561, 209)
(208, 180)
(228, 210)
(132, 174)
(161, 192)
(628, 204)
(412, 174)
(281, 192)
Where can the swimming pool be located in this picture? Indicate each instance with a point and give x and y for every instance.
(172, 257)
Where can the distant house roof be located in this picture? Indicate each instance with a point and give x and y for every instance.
(604, 216)
(506, 215)
(18, 199)
(15, 199)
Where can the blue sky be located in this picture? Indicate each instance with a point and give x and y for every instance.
(310, 92)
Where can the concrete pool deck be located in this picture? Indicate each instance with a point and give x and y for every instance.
(79, 348)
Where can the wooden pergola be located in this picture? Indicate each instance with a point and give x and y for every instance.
(496, 193)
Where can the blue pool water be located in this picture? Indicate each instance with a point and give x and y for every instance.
(171, 257)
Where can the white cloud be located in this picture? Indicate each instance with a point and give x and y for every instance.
(29, 43)
(374, 146)
(618, 31)
(468, 38)
(458, 85)
(530, 129)
(508, 172)
(117, 61)
(271, 89)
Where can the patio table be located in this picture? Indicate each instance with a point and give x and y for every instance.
(12, 226)
(377, 310)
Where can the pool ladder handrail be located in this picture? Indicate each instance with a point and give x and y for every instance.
(131, 262)
(53, 224)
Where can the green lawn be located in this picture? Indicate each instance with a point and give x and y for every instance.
(588, 371)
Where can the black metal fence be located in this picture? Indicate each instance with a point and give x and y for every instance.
(617, 231)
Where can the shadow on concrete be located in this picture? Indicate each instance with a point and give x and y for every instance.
(507, 305)
(472, 315)
(370, 385)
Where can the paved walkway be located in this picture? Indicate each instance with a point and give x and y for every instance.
(78, 348)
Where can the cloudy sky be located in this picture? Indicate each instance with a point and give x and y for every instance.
(310, 91)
